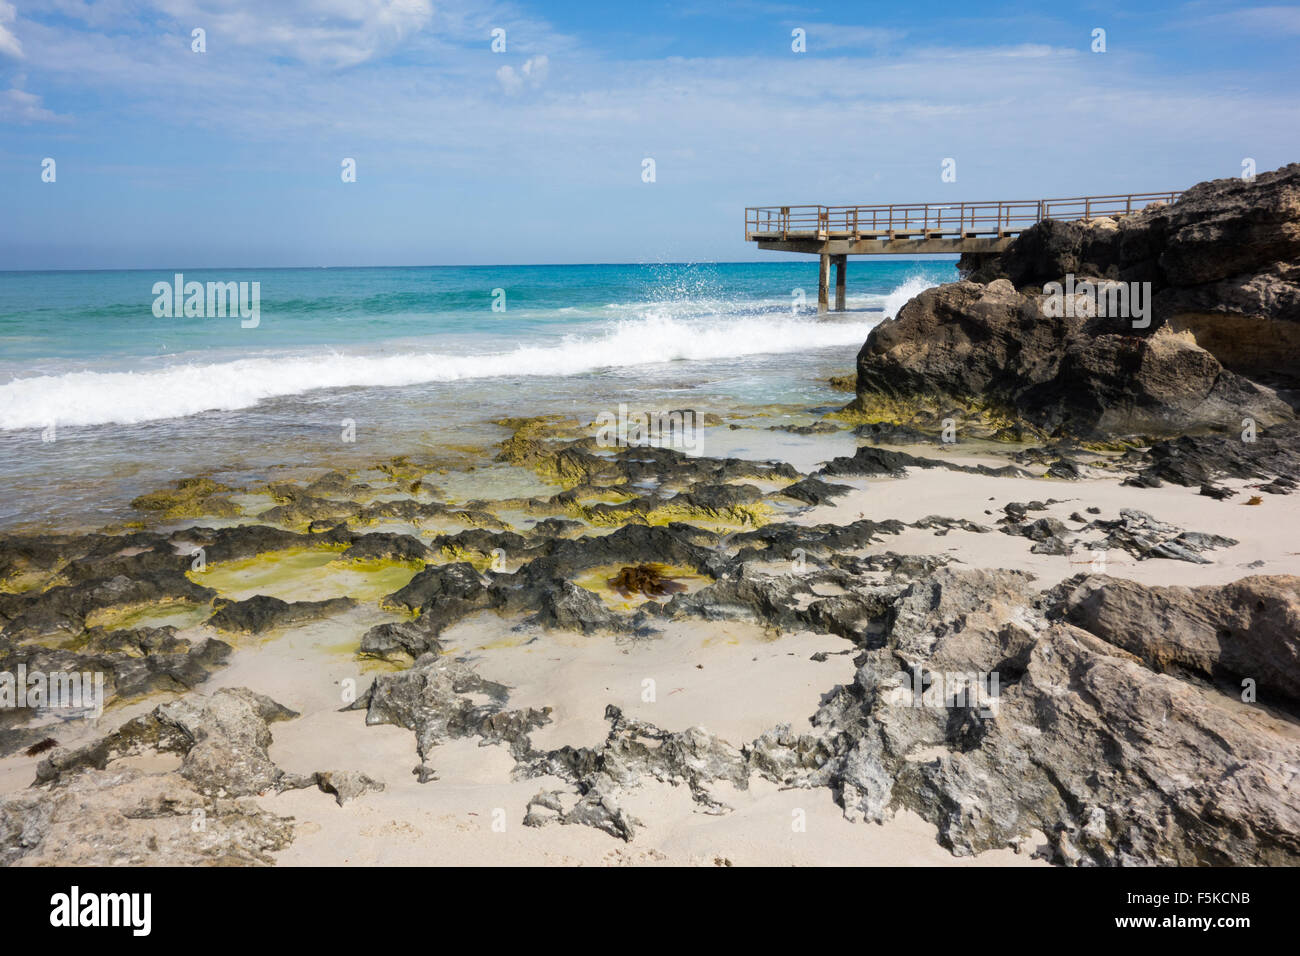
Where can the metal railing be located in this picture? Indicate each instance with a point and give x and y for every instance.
(898, 220)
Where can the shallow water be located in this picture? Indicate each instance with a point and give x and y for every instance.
(101, 400)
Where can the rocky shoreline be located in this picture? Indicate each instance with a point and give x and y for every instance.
(1110, 542)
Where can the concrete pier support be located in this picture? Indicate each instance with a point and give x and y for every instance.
(823, 284)
(841, 267)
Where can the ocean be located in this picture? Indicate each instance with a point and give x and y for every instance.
(106, 392)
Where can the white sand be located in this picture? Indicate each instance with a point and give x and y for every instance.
(748, 684)
(1266, 532)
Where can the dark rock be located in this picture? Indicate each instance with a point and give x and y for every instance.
(1064, 470)
(1215, 492)
(262, 613)
(1143, 536)
(412, 638)
(1193, 460)
(887, 433)
(993, 347)
(813, 491)
(1224, 263)
(816, 428)
(869, 461)
(386, 547)
(439, 582)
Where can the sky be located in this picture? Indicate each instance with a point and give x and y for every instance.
(165, 157)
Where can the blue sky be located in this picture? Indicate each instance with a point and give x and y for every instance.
(170, 158)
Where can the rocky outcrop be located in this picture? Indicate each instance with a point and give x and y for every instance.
(1245, 631)
(85, 809)
(633, 750)
(1103, 714)
(1133, 531)
(869, 461)
(1115, 762)
(133, 662)
(990, 354)
(125, 817)
(1184, 299)
(223, 740)
(1223, 262)
(1192, 460)
(437, 700)
(261, 613)
(1129, 724)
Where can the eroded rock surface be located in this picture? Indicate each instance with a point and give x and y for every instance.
(85, 809)
(1114, 761)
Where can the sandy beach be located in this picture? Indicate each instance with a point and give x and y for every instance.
(459, 793)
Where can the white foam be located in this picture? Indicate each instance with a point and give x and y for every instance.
(663, 332)
(94, 398)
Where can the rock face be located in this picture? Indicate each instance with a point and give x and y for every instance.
(1223, 261)
(1247, 630)
(1223, 301)
(1115, 762)
(989, 350)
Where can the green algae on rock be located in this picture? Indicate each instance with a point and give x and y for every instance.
(190, 498)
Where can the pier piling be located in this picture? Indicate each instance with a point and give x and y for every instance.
(823, 283)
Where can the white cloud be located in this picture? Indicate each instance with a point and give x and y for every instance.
(330, 33)
(753, 128)
(831, 36)
(531, 74)
(19, 106)
(9, 44)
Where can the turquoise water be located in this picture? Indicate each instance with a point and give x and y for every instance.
(100, 397)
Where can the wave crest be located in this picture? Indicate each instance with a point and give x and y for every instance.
(98, 398)
(657, 333)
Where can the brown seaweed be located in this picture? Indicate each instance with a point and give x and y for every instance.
(647, 579)
(49, 743)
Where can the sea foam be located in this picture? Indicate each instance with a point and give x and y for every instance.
(131, 397)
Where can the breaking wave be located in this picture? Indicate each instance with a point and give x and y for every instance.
(131, 397)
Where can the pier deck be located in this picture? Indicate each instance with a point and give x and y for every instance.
(836, 232)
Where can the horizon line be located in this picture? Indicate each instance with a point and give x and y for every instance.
(890, 257)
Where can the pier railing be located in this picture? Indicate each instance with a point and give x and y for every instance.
(935, 220)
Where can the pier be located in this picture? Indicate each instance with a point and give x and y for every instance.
(836, 232)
